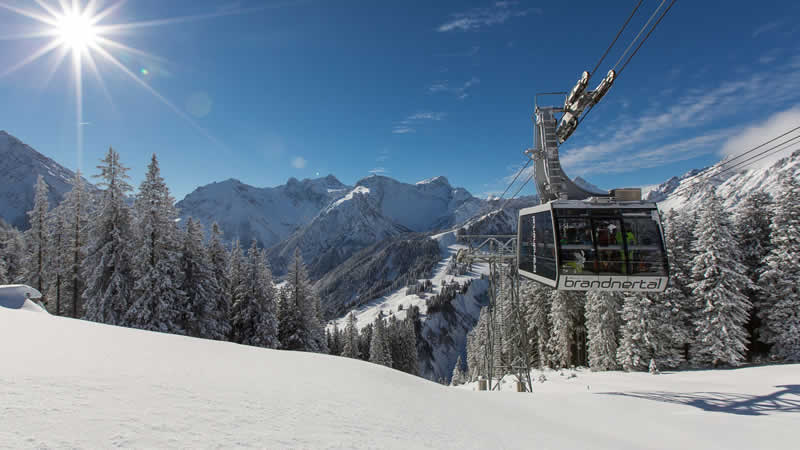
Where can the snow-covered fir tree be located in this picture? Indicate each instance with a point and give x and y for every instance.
(301, 324)
(539, 302)
(159, 303)
(14, 254)
(379, 352)
(350, 345)
(3, 268)
(753, 219)
(36, 239)
(107, 268)
(679, 238)
(648, 332)
(234, 289)
(402, 342)
(254, 315)
(74, 209)
(209, 311)
(719, 287)
(458, 376)
(780, 280)
(603, 323)
(219, 259)
(335, 346)
(57, 262)
(364, 341)
(476, 346)
(566, 312)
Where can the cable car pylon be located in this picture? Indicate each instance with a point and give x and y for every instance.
(500, 252)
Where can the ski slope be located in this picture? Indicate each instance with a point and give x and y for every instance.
(66, 383)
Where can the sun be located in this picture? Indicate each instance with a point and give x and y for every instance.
(76, 31)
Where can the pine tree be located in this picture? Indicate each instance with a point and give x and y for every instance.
(14, 255)
(107, 269)
(780, 280)
(335, 340)
(379, 352)
(364, 342)
(679, 239)
(159, 303)
(57, 259)
(648, 332)
(350, 346)
(603, 325)
(718, 287)
(565, 313)
(254, 320)
(753, 219)
(219, 260)
(458, 377)
(234, 290)
(301, 320)
(476, 346)
(208, 316)
(539, 300)
(37, 239)
(74, 209)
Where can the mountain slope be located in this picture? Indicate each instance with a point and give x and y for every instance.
(20, 165)
(732, 186)
(268, 215)
(377, 208)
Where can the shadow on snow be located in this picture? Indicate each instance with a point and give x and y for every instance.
(785, 399)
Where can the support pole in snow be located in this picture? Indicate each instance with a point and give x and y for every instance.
(500, 253)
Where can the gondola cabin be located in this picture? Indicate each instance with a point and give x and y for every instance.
(576, 245)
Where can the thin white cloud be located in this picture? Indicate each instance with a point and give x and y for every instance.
(477, 18)
(751, 137)
(461, 92)
(402, 129)
(426, 116)
(299, 162)
(408, 124)
(378, 170)
(767, 27)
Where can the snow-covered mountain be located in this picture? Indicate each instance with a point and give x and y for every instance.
(268, 215)
(731, 186)
(659, 192)
(376, 208)
(20, 166)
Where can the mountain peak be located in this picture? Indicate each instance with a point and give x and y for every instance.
(435, 180)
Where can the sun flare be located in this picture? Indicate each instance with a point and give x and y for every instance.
(76, 31)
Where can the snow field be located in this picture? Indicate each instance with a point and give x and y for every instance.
(71, 383)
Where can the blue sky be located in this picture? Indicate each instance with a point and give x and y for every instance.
(266, 90)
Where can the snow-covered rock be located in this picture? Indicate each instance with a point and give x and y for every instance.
(20, 165)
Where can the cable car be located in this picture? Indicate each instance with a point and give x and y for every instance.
(577, 245)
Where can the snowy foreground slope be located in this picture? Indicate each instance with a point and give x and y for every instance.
(69, 383)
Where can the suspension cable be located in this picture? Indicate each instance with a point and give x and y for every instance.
(585, 115)
(515, 178)
(619, 33)
(647, 35)
(703, 177)
(652, 16)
